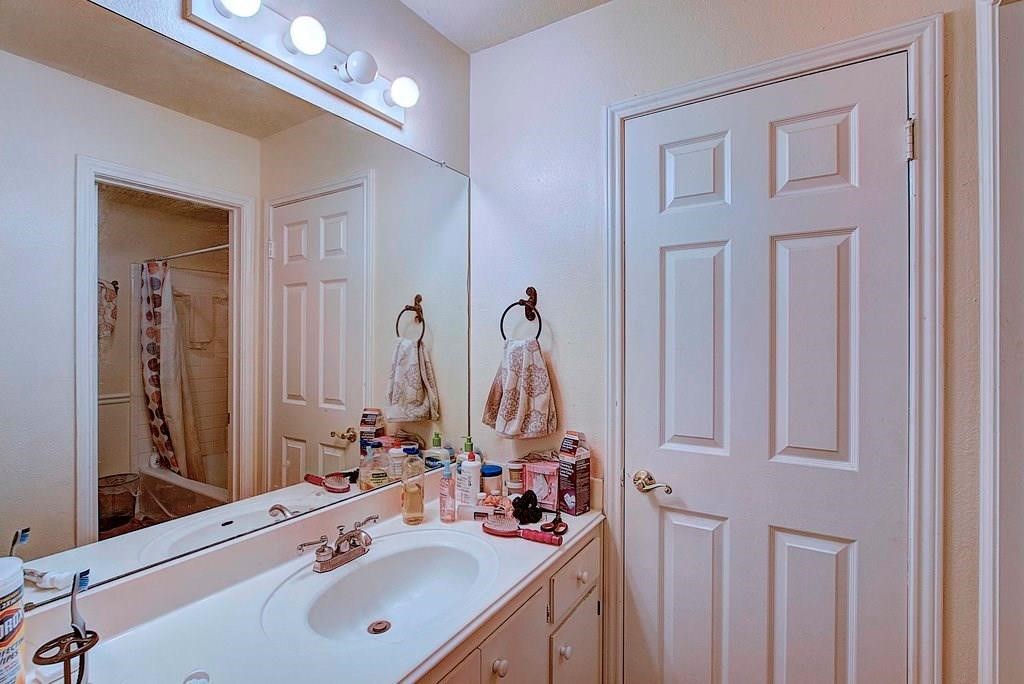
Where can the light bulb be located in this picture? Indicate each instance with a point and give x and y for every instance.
(403, 92)
(305, 35)
(360, 67)
(237, 8)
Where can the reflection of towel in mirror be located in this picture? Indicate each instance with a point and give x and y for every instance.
(412, 389)
(106, 314)
(520, 404)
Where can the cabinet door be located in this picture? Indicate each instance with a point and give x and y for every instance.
(515, 652)
(466, 672)
(576, 646)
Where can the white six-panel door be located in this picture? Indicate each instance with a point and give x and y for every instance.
(317, 331)
(766, 351)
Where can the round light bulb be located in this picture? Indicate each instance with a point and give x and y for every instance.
(237, 8)
(305, 35)
(403, 92)
(360, 67)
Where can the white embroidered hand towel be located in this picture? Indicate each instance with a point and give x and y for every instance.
(520, 404)
(412, 388)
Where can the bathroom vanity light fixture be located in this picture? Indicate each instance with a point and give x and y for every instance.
(300, 45)
(237, 8)
(306, 35)
(403, 92)
(360, 67)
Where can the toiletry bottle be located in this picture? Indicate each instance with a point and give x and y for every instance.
(467, 449)
(395, 458)
(446, 499)
(469, 480)
(12, 624)
(412, 490)
(437, 451)
(379, 468)
(366, 466)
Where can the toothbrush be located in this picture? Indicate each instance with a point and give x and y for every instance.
(20, 537)
(80, 584)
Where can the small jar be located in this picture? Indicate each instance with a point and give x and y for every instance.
(490, 478)
(515, 489)
(515, 473)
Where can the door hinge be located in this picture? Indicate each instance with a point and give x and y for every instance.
(622, 479)
(598, 607)
(911, 128)
(547, 613)
(270, 249)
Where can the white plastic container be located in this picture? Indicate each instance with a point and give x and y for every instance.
(12, 621)
(469, 479)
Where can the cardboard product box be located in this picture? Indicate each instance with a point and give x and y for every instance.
(574, 482)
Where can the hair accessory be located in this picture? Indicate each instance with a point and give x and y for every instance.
(526, 508)
(500, 526)
(335, 483)
(20, 537)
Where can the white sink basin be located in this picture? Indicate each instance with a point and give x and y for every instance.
(213, 526)
(415, 580)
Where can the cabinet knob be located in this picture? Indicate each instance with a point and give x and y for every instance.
(565, 652)
(500, 667)
(582, 577)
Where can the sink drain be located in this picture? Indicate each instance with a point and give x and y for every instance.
(378, 627)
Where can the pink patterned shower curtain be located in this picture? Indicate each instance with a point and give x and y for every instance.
(154, 277)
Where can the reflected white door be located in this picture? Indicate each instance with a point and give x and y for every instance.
(317, 285)
(767, 267)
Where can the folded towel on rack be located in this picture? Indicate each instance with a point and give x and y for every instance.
(412, 388)
(520, 404)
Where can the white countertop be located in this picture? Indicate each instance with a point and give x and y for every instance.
(223, 633)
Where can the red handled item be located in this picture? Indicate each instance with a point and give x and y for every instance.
(508, 527)
(335, 483)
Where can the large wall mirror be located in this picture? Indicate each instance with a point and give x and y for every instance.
(204, 281)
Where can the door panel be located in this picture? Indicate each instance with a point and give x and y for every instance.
(767, 289)
(317, 332)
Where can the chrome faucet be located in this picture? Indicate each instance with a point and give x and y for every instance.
(347, 547)
(281, 510)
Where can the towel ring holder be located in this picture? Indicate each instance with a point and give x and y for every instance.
(417, 308)
(530, 304)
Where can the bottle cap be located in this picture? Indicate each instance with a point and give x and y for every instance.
(11, 575)
(490, 470)
(436, 440)
(410, 449)
(471, 457)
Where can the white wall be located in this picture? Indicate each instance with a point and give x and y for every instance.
(55, 117)
(538, 166)
(403, 44)
(420, 244)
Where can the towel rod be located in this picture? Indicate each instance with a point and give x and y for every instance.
(532, 312)
(417, 308)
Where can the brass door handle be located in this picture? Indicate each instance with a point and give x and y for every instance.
(645, 482)
(350, 434)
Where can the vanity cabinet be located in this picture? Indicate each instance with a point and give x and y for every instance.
(576, 646)
(551, 631)
(466, 672)
(510, 655)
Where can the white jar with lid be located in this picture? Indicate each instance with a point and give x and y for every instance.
(12, 621)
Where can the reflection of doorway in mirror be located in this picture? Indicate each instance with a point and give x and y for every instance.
(164, 449)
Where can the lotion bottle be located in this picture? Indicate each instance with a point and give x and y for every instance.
(469, 480)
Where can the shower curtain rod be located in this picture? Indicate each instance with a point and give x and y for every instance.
(192, 253)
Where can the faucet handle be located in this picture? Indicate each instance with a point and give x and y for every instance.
(373, 518)
(322, 541)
